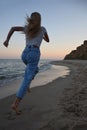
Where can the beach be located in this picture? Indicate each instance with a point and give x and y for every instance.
(58, 105)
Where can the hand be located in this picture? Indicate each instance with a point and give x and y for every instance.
(5, 43)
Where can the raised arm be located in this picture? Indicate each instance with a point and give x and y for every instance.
(46, 37)
(12, 30)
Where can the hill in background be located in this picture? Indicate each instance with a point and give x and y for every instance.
(79, 53)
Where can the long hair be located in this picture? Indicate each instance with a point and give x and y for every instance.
(33, 25)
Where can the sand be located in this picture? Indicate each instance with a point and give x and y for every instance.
(58, 105)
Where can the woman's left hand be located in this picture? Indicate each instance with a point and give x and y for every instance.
(5, 43)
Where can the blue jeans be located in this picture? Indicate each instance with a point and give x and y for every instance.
(30, 57)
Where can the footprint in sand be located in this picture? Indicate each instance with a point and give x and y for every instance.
(10, 115)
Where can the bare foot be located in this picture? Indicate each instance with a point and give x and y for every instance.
(14, 107)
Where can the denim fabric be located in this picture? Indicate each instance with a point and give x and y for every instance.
(30, 57)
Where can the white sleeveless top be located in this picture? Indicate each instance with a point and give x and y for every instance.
(36, 40)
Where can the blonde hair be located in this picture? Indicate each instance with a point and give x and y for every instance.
(33, 25)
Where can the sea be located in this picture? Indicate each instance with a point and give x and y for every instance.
(13, 69)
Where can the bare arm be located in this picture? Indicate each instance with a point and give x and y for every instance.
(46, 37)
(12, 30)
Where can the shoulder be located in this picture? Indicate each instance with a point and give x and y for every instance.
(43, 29)
(25, 29)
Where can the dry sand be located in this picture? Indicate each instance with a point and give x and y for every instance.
(59, 105)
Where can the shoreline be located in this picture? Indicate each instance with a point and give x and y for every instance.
(58, 105)
(42, 78)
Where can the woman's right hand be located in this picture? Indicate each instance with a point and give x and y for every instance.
(5, 43)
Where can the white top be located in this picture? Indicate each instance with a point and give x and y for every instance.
(37, 40)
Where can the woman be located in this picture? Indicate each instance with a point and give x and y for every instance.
(34, 33)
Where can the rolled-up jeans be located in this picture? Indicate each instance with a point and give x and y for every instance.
(31, 57)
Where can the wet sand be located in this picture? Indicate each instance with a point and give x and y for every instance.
(40, 79)
(58, 105)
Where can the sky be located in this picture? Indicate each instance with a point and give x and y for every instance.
(64, 20)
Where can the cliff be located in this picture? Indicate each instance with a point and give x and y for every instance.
(79, 53)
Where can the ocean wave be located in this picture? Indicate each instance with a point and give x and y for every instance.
(2, 77)
(44, 67)
(14, 69)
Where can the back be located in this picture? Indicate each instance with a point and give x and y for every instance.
(36, 40)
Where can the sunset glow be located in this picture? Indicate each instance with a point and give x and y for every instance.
(65, 21)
